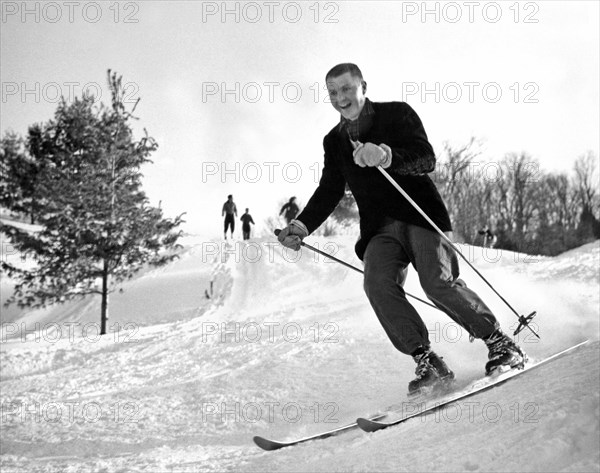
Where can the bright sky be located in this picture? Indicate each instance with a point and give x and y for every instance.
(234, 92)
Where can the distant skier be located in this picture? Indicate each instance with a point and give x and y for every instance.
(392, 233)
(246, 221)
(229, 212)
(489, 239)
(290, 209)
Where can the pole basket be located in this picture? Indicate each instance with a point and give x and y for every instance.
(524, 322)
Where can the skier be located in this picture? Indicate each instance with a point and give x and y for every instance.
(229, 212)
(246, 221)
(489, 239)
(290, 209)
(392, 233)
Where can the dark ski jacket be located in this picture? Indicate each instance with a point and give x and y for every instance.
(229, 208)
(397, 125)
(290, 209)
(246, 220)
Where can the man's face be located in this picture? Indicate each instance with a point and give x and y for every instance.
(347, 94)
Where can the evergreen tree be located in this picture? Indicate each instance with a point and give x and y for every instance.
(97, 227)
(19, 191)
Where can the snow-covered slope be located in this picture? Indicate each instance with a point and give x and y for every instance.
(286, 347)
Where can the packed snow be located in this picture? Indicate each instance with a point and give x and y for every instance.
(247, 338)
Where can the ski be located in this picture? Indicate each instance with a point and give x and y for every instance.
(372, 425)
(267, 444)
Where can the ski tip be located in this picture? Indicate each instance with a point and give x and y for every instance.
(267, 444)
(368, 425)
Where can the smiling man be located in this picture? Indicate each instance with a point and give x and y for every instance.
(392, 232)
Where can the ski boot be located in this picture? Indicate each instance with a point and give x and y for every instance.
(432, 374)
(504, 354)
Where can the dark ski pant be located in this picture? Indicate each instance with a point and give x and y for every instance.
(229, 222)
(246, 232)
(386, 259)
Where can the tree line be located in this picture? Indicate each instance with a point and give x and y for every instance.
(529, 209)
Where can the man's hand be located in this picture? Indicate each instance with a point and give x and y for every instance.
(292, 235)
(370, 155)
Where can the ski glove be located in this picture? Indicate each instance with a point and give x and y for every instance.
(292, 235)
(370, 155)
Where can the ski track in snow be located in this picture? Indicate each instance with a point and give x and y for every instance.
(285, 349)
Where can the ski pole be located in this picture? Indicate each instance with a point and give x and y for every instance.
(523, 320)
(316, 250)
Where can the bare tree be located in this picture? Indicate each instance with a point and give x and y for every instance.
(586, 183)
(517, 194)
(457, 180)
(586, 180)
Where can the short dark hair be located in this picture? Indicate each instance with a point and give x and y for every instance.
(340, 69)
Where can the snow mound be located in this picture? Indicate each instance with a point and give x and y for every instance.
(245, 338)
